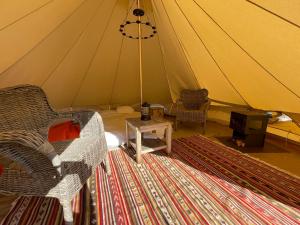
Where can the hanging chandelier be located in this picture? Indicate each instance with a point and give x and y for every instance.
(139, 13)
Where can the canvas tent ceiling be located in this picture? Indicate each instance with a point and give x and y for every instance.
(244, 52)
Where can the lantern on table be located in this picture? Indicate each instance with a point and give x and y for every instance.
(145, 111)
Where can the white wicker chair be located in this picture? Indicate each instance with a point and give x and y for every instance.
(56, 169)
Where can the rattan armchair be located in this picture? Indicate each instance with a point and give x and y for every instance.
(192, 106)
(57, 169)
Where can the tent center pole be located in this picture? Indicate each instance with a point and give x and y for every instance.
(140, 55)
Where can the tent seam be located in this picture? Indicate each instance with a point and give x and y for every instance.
(247, 53)
(44, 38)
(273, 13)
(94, 55)
(212, 57)
(116, 71)
(27, 14)
(163, 60)
(72, 46)
(119, 58)
(181, 46)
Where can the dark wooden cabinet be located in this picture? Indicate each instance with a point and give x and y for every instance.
(249, 127)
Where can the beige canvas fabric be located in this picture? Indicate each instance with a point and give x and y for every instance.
(245, 52)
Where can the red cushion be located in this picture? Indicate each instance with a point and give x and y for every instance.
(1, 169)
(64, 131)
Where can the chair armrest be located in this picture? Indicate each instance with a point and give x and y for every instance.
(179, 105)
(91, 123)
(32, 140)
(205, 106)
(178, 100)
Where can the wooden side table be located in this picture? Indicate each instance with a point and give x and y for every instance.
(144, 145)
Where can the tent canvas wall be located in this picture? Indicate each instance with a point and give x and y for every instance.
(245, 52)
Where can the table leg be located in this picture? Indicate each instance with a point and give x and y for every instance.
(127, 135)
(138, 146)
(169, 138)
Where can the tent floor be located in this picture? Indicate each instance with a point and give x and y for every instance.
(277, 151)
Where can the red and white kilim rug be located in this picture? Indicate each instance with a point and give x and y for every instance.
(201, 182)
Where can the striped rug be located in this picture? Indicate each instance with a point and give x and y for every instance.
(201, 182)
(40, 210)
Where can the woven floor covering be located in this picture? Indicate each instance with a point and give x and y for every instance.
(201, 182)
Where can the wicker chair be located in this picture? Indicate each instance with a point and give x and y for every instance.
(192, 107)
(57, 169)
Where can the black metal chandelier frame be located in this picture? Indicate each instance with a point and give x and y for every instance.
(138, 13)
(123, 29)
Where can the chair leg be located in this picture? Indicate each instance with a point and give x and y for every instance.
(203, 128)
(107, 165)
(67, 211)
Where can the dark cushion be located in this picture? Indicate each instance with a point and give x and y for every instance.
(193, 99)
